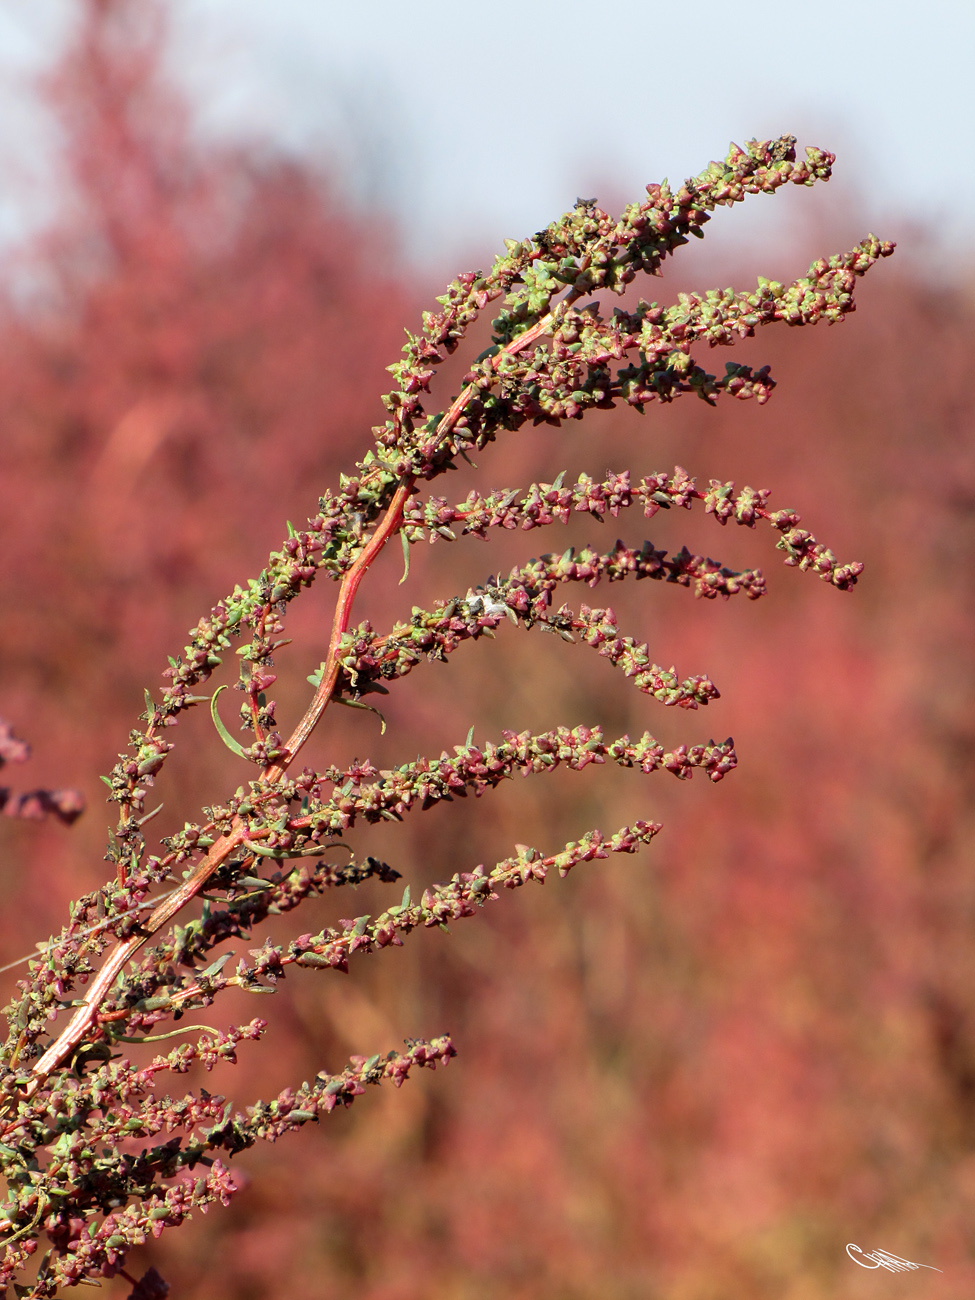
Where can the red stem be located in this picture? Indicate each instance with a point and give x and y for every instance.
(340, 625)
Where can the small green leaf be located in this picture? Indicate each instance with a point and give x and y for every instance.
(216, 967)
(358, 704)
(262, 850)
(470, 738)
(107, 780)
(406, 556)
(233, 745)
(142, 821)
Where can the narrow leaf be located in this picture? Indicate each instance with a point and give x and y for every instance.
(216, 967)
(359, 704)
(233, 745)
(406, 556)
(262, 850)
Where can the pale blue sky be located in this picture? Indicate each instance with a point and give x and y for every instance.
(474, 122)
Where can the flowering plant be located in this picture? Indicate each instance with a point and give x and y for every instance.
(81, 1122)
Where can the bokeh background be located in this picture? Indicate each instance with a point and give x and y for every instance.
(696, 1074)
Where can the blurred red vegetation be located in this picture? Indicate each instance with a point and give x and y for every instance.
(694, 1074)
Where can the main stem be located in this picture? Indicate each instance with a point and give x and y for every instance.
(340, 625)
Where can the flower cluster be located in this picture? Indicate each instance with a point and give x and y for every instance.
(544, 503)
(368, 659)
(81, 1126)
(162, 1185)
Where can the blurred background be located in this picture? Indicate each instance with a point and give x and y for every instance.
(694, 1074)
